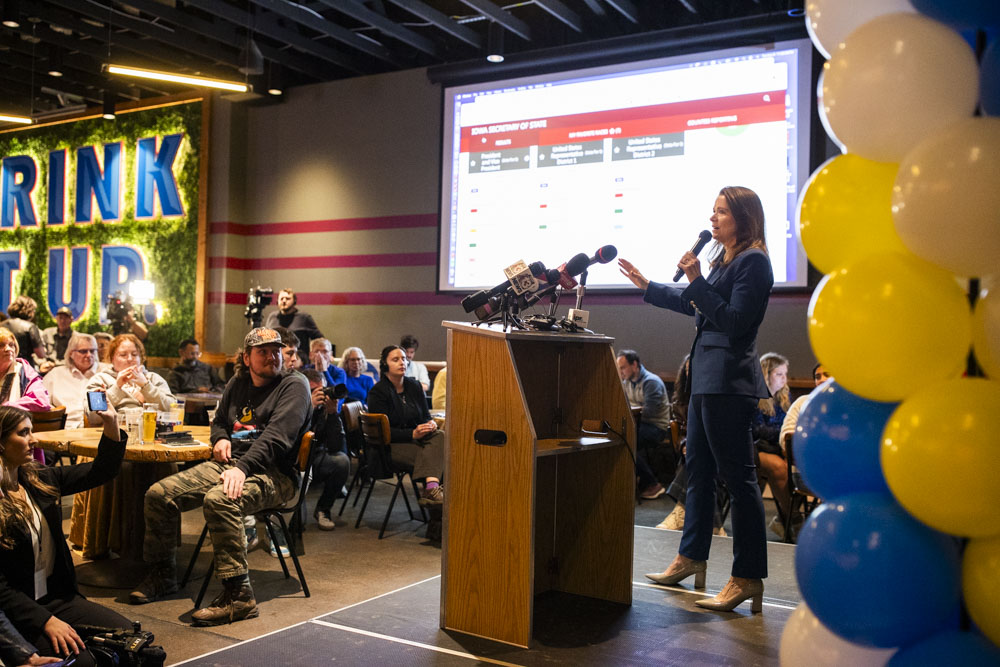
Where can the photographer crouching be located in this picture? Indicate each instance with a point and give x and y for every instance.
(38, 590)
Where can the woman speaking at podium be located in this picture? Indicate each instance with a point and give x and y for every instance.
(726, 382)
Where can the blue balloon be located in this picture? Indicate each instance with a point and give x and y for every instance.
(989, 79)
(876, 576)
(837, 441)
(948, 648)
(961, 13)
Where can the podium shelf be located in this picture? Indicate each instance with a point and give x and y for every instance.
(556, 446)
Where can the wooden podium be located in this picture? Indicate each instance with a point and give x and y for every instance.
(551, 508)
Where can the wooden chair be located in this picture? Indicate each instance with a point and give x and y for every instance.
(381, 467)
(49, 420)
(350, 415)
(52, 420)
(803, 500)
(266, 516)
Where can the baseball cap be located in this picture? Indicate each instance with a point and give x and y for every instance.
(64, 311)
(261, 336)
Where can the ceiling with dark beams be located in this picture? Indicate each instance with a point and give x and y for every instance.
(288, 43)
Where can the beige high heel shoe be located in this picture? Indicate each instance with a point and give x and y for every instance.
(696, 567)
(733, 594)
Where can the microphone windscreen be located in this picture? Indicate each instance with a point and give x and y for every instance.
(537, 269)
(577, 265)
(606, 254)
(552, 276)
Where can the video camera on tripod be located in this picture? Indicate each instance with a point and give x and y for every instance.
(258, 299)
(118, 308)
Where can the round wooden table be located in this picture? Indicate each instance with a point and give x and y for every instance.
(110, 517)
(84, 441)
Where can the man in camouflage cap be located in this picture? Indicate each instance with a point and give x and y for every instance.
(256, 432)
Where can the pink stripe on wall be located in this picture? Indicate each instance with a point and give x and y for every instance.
(317, 226)
(399, 299)
(324, 261)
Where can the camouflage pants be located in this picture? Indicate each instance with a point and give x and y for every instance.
(202, 485)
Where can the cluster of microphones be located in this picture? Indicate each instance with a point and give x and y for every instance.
(527, 284)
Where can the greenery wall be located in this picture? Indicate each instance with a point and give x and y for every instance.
(168, 244)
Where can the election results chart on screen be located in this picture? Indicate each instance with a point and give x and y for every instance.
(543, 168)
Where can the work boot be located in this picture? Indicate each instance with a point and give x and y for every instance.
(234, 603)
(159, 583)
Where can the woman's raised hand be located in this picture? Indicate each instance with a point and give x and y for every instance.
(632, 273)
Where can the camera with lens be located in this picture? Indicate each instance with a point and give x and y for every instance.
(124, 647)
(118, 308)
(336, 392)
(258, 299)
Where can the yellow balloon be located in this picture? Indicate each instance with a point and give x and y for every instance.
(846, 212)
(986, 332)
(940, 456)
(981, 585)
(888, 324)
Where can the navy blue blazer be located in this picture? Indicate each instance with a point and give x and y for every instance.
(728, 307)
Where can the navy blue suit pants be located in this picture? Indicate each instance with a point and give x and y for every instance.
(719, 443)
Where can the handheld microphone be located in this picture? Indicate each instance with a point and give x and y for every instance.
(703, 238)
(573, 267)
(477, 299)
(603, 255)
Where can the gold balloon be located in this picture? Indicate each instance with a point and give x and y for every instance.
(981, 585)
(889, 324)
(846, 212)
(940, 456)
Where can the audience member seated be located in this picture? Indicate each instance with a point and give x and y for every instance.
(646, 390)
(331, 465)
(262, 416)
(820, 376)
(321, 358)
(127, 383)
(67, 383)
(766, 428)
(15, 649)
(193, 376)
(20, 322)
(416, 440)
(21, 386)
(358, 384)
(38, 590)
(107, 519)
(439, 394)
(56, 340)
(415, 369)
(679, 486)
(291, 360)
(103, 346)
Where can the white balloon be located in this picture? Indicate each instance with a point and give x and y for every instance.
(821, 110)
(896, 80)
(986, 332)
(828, 22)
(947, 195)
(806, 641)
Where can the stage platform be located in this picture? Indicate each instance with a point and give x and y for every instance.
(661, 627)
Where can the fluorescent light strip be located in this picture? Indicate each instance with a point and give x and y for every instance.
(4, 118)
(177, 78)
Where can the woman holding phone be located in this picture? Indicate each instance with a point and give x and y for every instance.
(726, 382)
(128, 384)
(108, 519)
(38, 590)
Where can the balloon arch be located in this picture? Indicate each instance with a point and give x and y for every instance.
(901, 564)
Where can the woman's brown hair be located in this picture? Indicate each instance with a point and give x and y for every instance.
(748, 212)
(121, 338)
(14, 512)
